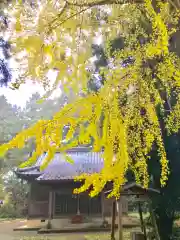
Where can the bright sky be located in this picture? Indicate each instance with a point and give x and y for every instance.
(21, 96)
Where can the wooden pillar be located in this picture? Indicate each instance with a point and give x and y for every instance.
(113, 220)
(103, 206)
(120, 227)
(54, 202)
(50, 204)
(78, 204)
(29, 201)
(50, 210)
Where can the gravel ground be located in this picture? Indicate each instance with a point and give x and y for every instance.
(7, 233)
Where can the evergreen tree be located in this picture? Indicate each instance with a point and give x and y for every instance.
(5, 72)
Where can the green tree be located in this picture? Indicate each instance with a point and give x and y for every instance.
(35, 111)
(14, 119)
(16, 192)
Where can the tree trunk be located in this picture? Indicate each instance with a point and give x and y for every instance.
(165, 225)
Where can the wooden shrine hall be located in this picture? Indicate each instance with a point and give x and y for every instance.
(51, 191)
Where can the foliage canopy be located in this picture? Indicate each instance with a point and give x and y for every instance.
(47, 31)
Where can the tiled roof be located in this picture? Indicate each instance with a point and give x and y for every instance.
(85, 161)
(131, 188)
(29, 172)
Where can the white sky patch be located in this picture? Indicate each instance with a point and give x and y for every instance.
(98, 39)
(23, 94)
(93, 59)
(56, 93)
(20, 96)
(68, 52)
(1, 54)
(52, 74)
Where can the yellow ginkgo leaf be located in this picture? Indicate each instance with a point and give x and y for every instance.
(33, 43)
(18, 26)
(30, 161)
(69, 159)
(41, 100)
(3, 150)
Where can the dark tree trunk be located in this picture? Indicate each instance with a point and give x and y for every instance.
(165, 224)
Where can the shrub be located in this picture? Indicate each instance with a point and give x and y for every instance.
(8, 211)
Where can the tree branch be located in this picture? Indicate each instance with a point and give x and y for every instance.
(101, 3)
(58, 16)
(174, 3)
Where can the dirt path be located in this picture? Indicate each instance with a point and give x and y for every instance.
(7, 233)
(6, 230)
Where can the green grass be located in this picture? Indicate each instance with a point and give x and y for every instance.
(9, 219)
(136, 214)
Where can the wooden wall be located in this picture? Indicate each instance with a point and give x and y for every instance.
(65, 203)
(38, 201)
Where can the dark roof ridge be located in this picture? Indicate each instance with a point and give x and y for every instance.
(77, 149)
(26, 169)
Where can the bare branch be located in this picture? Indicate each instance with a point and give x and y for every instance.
(174, 3)
(102, 2)
(58, 16)
(73, 15)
